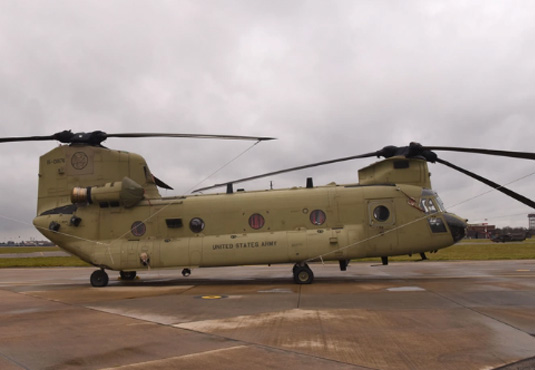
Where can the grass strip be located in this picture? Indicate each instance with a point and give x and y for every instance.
(42, 262)
(476, 250)
(9, 250)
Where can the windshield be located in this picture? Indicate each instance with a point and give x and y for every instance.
(431, 203)
(439, 202)
(427, 205)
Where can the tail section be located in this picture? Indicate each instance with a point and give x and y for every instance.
(84, 166)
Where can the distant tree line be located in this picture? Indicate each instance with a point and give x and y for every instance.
(31, 243)
(514, 231)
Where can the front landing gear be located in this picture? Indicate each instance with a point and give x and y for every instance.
(302, 274)
(99, 278)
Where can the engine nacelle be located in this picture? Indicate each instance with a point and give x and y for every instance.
(126, 193)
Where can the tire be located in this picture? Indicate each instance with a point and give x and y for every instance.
(303, 275)
(99, 279)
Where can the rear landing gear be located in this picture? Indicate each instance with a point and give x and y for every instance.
(303, 274)
(99, 278)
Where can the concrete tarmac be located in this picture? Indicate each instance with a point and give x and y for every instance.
(419, 315)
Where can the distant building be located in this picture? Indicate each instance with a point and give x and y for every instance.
(531, 218)
(480, 231)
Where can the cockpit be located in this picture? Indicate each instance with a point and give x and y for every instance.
(431, 202)
(432, 205)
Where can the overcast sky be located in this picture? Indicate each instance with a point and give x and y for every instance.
(327, 78)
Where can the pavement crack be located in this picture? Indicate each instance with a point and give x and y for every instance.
(473, 309)
(13, 361)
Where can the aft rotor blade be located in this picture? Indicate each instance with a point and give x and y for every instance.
(287, 170)
(26, 138)
(490, 183)
(501, 153)
(161, 184)
(95, 138)
(192, 136)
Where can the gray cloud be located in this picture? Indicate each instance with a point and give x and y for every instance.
(329, 79)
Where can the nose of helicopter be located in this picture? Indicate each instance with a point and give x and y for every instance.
(457, 226)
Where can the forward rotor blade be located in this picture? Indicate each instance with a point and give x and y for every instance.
(490, 183)
(192, 136)
(287, 170)
(501, 153)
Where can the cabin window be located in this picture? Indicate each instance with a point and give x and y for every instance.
(138, 228)
(256, 221)
(196, 225)
(174, 223)
(381, 213)
(317, 217)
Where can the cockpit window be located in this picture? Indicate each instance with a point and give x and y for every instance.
(428, 206)
(431, 202)
(440, 203)
(437, 225)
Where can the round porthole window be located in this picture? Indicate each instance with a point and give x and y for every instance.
(381, 213)
(256, 221)
(196, 225)
(138, 228)
(317, 217)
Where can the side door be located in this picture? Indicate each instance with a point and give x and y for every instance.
(382, 234)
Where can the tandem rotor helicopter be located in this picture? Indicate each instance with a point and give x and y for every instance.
(103, 206)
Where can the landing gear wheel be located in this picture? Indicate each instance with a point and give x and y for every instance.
(99, 278)
(128, 275)
(186, 272)
(303, 274)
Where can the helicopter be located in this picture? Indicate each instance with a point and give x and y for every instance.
(103, 206)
